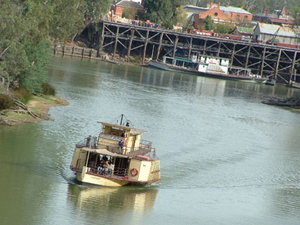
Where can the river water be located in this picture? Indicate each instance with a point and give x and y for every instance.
(225, 157)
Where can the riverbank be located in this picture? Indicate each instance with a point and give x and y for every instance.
(291, 104)
(80, 49)
(37, 110)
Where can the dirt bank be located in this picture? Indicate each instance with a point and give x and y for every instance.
(37, 110)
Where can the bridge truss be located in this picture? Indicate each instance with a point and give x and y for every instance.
(282, 64)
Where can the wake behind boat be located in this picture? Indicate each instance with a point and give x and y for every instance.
(207, 66)
(117, 157)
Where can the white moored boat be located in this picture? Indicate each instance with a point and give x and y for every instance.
(117, 157)
(207, 66)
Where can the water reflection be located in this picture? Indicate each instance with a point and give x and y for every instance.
(223, 152)
(285, 203)
(97, 201)
(95, 73)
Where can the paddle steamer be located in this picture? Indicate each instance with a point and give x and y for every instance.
(118, 156)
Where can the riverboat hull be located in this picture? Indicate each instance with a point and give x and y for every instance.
(100, 180)
(163, 66)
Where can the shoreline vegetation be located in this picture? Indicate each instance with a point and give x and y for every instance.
(25, 51)
(35, 110)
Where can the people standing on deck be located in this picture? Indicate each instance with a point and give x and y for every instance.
(111, 168)
(105, 167)
(121, 144)
(100, 170)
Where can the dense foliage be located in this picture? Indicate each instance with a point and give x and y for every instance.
(5, 102)
(208, 23)
(165, 12)
(28, 26)
(255, 6)
(48, 89)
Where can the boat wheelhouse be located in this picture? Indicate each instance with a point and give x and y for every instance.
(117, 157)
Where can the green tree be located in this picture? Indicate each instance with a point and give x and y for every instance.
(38, 58)
(180, 16)
(159, 11)
(208, 23)
(67, 19)
(224, 28)
(26, 26)
(96, 10)
(129, 13)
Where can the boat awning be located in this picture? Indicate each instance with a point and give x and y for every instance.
(184, 60)
(104, 152)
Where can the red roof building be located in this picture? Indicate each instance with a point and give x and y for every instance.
(118, 8)
(220, 14)
(278, 17)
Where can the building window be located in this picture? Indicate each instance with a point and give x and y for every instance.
(246, 17)
(216, 14)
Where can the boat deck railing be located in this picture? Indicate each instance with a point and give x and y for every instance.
(92, 143)
(116, 173)
(89, 142)
(118, 138)
(130, 152)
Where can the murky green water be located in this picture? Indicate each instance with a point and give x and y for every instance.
(225, 157)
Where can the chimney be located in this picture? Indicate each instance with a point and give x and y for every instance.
(266, 12)
(242, 7)
(142, 2)
(219, 5)
(248, 9)
(211, 5)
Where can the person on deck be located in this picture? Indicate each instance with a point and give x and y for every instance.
(105, 167)
(121, 144)
(111, 168)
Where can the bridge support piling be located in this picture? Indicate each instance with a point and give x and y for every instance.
(116, 42)
(145, 47)
(159, 45)
(130, 44)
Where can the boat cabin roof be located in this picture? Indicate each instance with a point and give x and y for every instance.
(133, 131)
(103, 152)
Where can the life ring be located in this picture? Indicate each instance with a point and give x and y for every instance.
(134, 172)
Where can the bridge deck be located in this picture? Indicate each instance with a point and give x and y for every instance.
(266, 60)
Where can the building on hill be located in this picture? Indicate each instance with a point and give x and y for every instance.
(117, 9)
(278, 17)
(275, 34)
(246, 32)
(220, 14)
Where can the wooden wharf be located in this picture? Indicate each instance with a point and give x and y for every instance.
(126, 40)
(75, 51)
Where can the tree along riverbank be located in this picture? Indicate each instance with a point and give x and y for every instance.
(35, 110)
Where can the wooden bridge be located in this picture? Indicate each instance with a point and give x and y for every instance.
(267, 60)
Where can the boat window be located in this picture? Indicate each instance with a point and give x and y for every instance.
(92, 160)
(121, 165)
